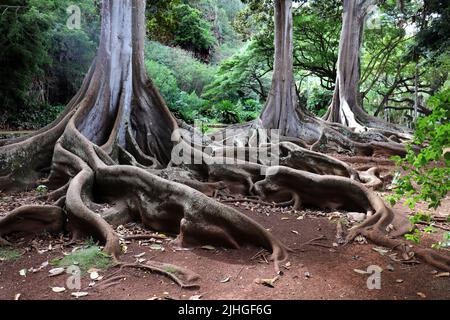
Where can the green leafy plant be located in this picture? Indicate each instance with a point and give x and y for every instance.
(91, 256)
(42, 189)
(426, 174)
(7, 254)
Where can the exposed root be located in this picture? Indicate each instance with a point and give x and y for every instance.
(381, 226)
(32, 220)
(184, 278)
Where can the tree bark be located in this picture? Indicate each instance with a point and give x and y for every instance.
(346, 106)
(280, 109)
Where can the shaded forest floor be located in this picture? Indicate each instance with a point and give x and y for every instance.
(320, 269)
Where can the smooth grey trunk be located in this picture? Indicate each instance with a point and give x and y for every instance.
(346, 106)
(280, 109)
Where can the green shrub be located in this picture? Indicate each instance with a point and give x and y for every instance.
(190, 73)
(427, 173)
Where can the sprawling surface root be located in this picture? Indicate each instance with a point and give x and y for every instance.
(33, 219)
(329, 192)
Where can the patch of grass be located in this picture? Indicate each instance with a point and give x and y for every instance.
(86, 258)
(9, 254)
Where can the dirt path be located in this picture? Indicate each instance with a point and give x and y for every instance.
(321, 271)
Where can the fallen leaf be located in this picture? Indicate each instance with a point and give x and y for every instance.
(94, 275)
(58, 289)
(56, 272)
(442, 275)
(225, 280)
(23, 272)
(140, 255)
(267, 282)
(380, 250)
(79, 294)
(208, 248)
(360, 271)
(421, 294)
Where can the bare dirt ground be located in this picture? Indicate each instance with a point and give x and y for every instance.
(321, 269)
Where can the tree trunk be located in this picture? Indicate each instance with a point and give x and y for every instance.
(284, 113)
(346, 106)
(280, 109)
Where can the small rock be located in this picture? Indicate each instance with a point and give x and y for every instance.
(399, 280)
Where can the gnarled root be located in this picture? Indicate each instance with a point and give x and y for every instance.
(331, 192)
(32, 220)
(185, 278)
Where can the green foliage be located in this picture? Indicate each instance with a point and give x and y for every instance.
(24, 41)
(36, 116)
(319, 100)
(7, 254)
(41, 189)
(192, 31)
(427, 173)
(91, 256)
(42, 62)
(245, 75)
(183, 105)
(190, 73)
(445, 243)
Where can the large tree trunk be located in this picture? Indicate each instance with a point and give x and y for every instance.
(346, 99)
(279, 111)
(346, 107)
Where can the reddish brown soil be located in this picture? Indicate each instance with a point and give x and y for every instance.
(331, 270)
